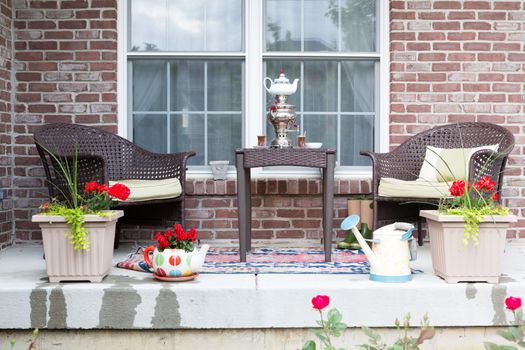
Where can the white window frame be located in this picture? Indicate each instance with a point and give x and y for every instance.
(254, 117)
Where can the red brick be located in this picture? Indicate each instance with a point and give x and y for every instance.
(431, 57)
(72, 24)
(448, 5)
(493, 57)
(461, 15)
(42, 45)
(476, 46)
(431, 36)
(446, 26)
(492, 36)
(492, 15)
(461, 36)
(434, 15)
(58, 35)
(507, 5)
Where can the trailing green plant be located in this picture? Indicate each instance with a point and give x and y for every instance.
(95, 200)
(473, 203)
(515, 333)
(33, 342)
(334, 327)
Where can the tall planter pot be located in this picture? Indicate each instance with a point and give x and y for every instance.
(455, 262)
(63, 263)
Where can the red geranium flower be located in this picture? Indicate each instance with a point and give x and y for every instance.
(102, 188)
(320, 301)
(119, 191)
(485, 183)
(90, 186)
(495, 196)
(458, 188)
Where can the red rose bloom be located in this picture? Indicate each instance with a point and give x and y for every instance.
(320, 301)
(513, 303)
(119, 191)
(90, 186)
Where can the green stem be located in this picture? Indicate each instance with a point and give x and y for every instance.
(325, 330)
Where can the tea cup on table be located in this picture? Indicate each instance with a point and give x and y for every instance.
(261, 140)
(301, 140)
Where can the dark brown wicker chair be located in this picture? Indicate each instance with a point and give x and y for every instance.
(405, 162)
(103, 157)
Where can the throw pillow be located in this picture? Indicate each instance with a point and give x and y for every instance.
(448, 164)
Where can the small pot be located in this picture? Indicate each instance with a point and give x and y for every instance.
(219, 169)
(175, 262)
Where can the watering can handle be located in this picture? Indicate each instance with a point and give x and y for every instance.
(149, 249)
(409, 228)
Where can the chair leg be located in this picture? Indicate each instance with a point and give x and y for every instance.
(118, 228)
(419, 232)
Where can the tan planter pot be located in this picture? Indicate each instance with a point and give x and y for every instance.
(63, 263)
(455, 262)
(367, 213)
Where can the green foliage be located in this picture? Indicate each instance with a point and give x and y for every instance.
(404, 341)
(473, 217)
(333, 327)
(32, 345)
(515, 333)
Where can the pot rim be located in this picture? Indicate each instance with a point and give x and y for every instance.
(436, 216)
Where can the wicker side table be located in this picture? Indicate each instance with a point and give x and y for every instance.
(248, 158)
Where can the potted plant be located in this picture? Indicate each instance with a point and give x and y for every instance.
(468, 232)
(78, 233)
(176, 258)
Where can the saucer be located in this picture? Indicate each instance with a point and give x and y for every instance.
(176, 279)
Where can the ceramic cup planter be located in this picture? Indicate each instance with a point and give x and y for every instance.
(63, 263)
(175, 264)
(219, 169)
(455, 262)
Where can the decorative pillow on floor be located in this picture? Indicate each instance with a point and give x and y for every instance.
(448, 164)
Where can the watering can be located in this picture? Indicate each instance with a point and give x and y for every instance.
(393, 247)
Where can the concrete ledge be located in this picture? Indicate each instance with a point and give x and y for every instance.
(133, 300)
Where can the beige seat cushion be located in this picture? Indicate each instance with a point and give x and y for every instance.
(146, 190)
(448, 164)
(389, 187)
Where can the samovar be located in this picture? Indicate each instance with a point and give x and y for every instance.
(281, 114)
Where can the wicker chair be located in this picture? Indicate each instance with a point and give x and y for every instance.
(104, 157)
(405, 162)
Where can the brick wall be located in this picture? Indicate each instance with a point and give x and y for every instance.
(456, 61)
(6, 124)
(450, 61)
(65, 68)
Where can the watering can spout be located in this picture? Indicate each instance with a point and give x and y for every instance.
(350, 223)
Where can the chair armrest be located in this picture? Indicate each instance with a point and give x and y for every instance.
(487, 162)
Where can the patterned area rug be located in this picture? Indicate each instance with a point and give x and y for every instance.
(265, 260)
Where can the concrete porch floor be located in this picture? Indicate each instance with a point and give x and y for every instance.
(134, 300)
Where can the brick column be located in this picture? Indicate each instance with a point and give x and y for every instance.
(66, 71)
(6, 125)
(460, 61)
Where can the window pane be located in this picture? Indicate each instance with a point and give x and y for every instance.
(358, 25)
(357, 134)
(187, 85)
(320, 86)
(149, 132)
(320, 25)
(283, 25)
(321, 128)
(328, 25)
(149, 85)
(358, 85)
(225, 86)
(224, 27)
(187, 134)
(224, 136)
(292, 69)
(186, 23)
(148, 25)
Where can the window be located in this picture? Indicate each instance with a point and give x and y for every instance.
(195, 71)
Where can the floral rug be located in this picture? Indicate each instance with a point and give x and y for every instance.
(266, 260)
